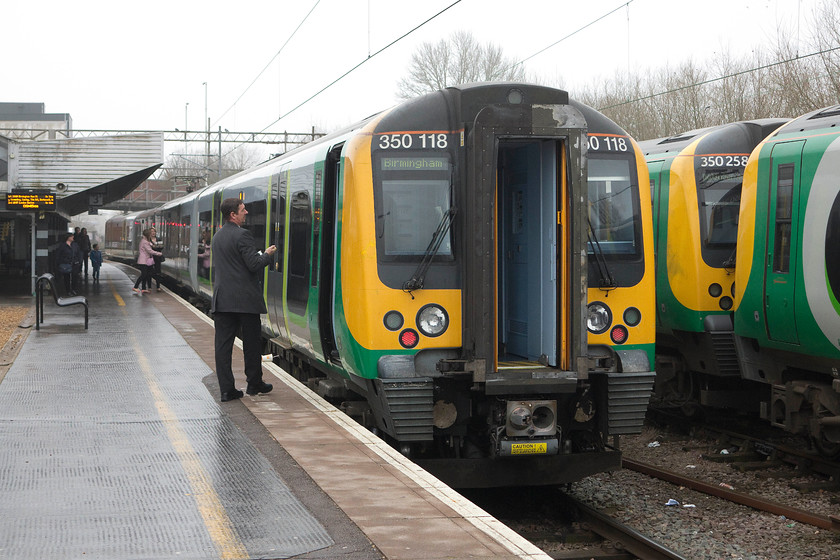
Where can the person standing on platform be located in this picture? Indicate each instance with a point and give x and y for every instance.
(64, 263)
(157, 245)
(238, 300)
(96, 261)
(84, 244)
(76, 275)
(146, 262)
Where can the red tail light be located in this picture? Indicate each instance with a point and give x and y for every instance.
(619, 334)
(409, 338)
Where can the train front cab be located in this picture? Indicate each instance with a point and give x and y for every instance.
(696, 180)
(519, 391)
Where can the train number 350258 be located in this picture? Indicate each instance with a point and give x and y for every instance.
(724, 161)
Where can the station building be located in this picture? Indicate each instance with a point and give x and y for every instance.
(48, 174)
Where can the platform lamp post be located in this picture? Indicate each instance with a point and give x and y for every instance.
(186, 122)
(207, 130)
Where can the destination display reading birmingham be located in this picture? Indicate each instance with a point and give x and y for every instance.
(415, 164)
(30, 201)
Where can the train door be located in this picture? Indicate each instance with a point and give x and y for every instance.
(275, 287)
(656, 196)
(525, 190)
(527, 247)
(332, 175)
(782, 242)
(218, 222)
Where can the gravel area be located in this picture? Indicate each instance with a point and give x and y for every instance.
(699, 526)
(10, 317)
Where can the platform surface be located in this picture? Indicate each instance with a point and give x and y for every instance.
(116, 446)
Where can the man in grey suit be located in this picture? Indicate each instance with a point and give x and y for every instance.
(238, 299)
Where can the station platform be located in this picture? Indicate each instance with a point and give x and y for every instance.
(115, 446)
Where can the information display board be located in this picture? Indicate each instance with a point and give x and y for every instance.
(30, 200)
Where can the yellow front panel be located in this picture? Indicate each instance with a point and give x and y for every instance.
(746, 226)
(366, 299)
(688, 274)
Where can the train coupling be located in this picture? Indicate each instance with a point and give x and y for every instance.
(530, 428)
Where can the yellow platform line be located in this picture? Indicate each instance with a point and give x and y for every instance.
(117, 297)
(209, 505)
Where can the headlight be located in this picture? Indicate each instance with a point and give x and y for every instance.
(432, 320)
(598, 317)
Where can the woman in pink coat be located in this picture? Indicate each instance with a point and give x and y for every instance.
(146, 262)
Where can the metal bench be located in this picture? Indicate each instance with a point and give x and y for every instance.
(40, 284)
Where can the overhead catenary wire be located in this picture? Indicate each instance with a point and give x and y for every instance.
(395, 41)
(575, 32)
(719, 78)
(273, 58)
(353, 69)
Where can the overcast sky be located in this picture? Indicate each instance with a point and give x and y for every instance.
(136, 66)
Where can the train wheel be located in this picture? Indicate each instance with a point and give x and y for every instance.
(827, 447)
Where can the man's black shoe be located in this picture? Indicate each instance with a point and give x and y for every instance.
(261, 388)
(232, 395)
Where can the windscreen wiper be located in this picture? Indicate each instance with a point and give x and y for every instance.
(607, 280)
(417, 279)
(730, 260)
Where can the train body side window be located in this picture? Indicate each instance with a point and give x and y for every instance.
(784, 207)
(300, 234)
(256, 222)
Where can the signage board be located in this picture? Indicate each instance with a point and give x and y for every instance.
(19, 200)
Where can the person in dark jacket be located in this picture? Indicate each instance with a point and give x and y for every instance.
(96, 261)
(84, 245)
(76, 276)
(64, 263)
(238, 300)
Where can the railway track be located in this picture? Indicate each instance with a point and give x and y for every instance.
(830, 522)
(754, 453)
(567, 528)
(628, 539)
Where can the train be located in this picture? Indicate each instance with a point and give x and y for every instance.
(695, 180)
(746, 218)
(443, 273)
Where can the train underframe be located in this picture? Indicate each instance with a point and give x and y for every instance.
(473, 435)
(798, 394)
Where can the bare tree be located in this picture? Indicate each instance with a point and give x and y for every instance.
(458, 60)
(786, 80)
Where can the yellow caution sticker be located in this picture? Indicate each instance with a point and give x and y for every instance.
(529, 448)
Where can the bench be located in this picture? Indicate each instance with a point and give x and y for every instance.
(41, 284)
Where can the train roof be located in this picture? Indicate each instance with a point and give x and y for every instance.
(827, 117)
(716, 139)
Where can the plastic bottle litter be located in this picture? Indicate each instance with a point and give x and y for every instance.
(727, 486)
(691, 466)
(268, 357)
(724, 452)
(653, 444)
(672, 502)
(689, 505)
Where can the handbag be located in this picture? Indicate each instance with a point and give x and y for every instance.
(65, 268)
